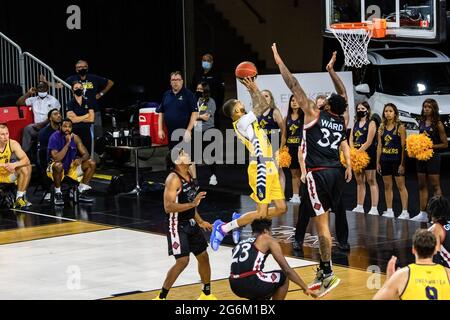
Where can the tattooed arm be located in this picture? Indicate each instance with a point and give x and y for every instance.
(307, 105)
(259, 103)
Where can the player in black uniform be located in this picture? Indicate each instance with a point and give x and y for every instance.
(428, 171)
(248, 279)
(439, 210)
(184, 224)
(323, 136)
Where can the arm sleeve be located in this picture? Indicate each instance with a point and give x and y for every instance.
(29, 101)
(101, 81)
(52, 144)
(192, 102)
(245, 123)
(56, 104)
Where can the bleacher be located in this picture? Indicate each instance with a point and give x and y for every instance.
(16, 118)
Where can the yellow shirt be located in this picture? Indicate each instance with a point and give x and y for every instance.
(427, 282)
(5, 157)
(263, 142)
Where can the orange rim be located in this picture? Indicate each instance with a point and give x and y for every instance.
(350, 26)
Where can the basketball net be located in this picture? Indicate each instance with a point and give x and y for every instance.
(354, 43)
(354, 38)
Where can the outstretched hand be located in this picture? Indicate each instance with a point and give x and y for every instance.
(330, 65)
(250, 84)
(276, 55)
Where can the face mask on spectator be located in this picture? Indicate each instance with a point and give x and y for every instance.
(42, 94)
(199, 95)
(361, 114)
(83, 72)
(206, 65)
(78, 92)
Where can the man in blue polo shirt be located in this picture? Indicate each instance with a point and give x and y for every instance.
(178, 110)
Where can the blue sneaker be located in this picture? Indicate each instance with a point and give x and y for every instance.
(217, 235)
(236, 232)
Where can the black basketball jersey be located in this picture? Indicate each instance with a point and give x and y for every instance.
(186, 194)
(247, 259)
(445, 247)
(322, 139)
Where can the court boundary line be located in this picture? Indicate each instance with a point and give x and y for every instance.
(44, 215)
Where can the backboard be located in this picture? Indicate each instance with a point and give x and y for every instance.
(415, 21)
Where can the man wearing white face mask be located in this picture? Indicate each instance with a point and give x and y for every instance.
(41, 103)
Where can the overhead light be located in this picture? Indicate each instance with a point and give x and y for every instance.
(421, 87)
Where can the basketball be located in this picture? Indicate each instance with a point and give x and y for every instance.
(246, 70)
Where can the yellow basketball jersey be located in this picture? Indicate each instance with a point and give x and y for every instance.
(5, 157)
(427, 282)
(260, 135)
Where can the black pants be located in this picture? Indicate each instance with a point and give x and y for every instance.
(341, 224)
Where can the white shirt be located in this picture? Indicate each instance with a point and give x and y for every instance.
(41, 107)
(244, 125)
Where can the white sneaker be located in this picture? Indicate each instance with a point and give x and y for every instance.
(404, 216)
(421, 217)
(389, 214)
(295, 199)
(359, 209)
(213, 180)
(374, 212)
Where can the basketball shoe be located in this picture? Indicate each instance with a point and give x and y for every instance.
(236, 232)
(203, 296)
(217, 235)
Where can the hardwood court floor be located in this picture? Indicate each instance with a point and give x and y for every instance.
(353, 286)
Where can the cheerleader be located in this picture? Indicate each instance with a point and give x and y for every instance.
(428, 171)
(273, 125)
(391, 158)
(294, 131)
(363, 137)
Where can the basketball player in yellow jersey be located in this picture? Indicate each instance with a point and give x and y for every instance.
(262, 171)
(12, 172)
(423, 280)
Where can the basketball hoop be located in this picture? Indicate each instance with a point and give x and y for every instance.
(354, 38)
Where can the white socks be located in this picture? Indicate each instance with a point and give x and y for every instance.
(83, 187)
(57, 190)
(20, 194)
(389, 210)
(230, 226)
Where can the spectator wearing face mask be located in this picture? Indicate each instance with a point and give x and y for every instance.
(82, 115)
(209, 74)
(94, 88)
(41, 103)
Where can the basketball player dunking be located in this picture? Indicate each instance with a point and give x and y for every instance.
(323, 136)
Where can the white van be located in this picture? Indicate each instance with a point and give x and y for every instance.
(406, 76)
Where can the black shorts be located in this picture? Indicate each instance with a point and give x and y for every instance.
(373, 161)
(261, 286)
(184, 239)
(390, 168)
(322, 191)
(431, 167)
(293, 152)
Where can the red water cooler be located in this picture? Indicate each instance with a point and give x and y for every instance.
(148, 125)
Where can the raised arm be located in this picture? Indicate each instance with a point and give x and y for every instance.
(337, 81)
(307, 105)
(259, 103)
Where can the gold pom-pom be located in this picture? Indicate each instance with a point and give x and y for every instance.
(284, 159)
(419, 146)
(359, 159)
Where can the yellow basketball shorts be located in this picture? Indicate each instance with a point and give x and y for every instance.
(75, 173)
(273, 186)
(7, 177)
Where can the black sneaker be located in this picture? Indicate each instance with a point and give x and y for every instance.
(85, 196)
(58, 199)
